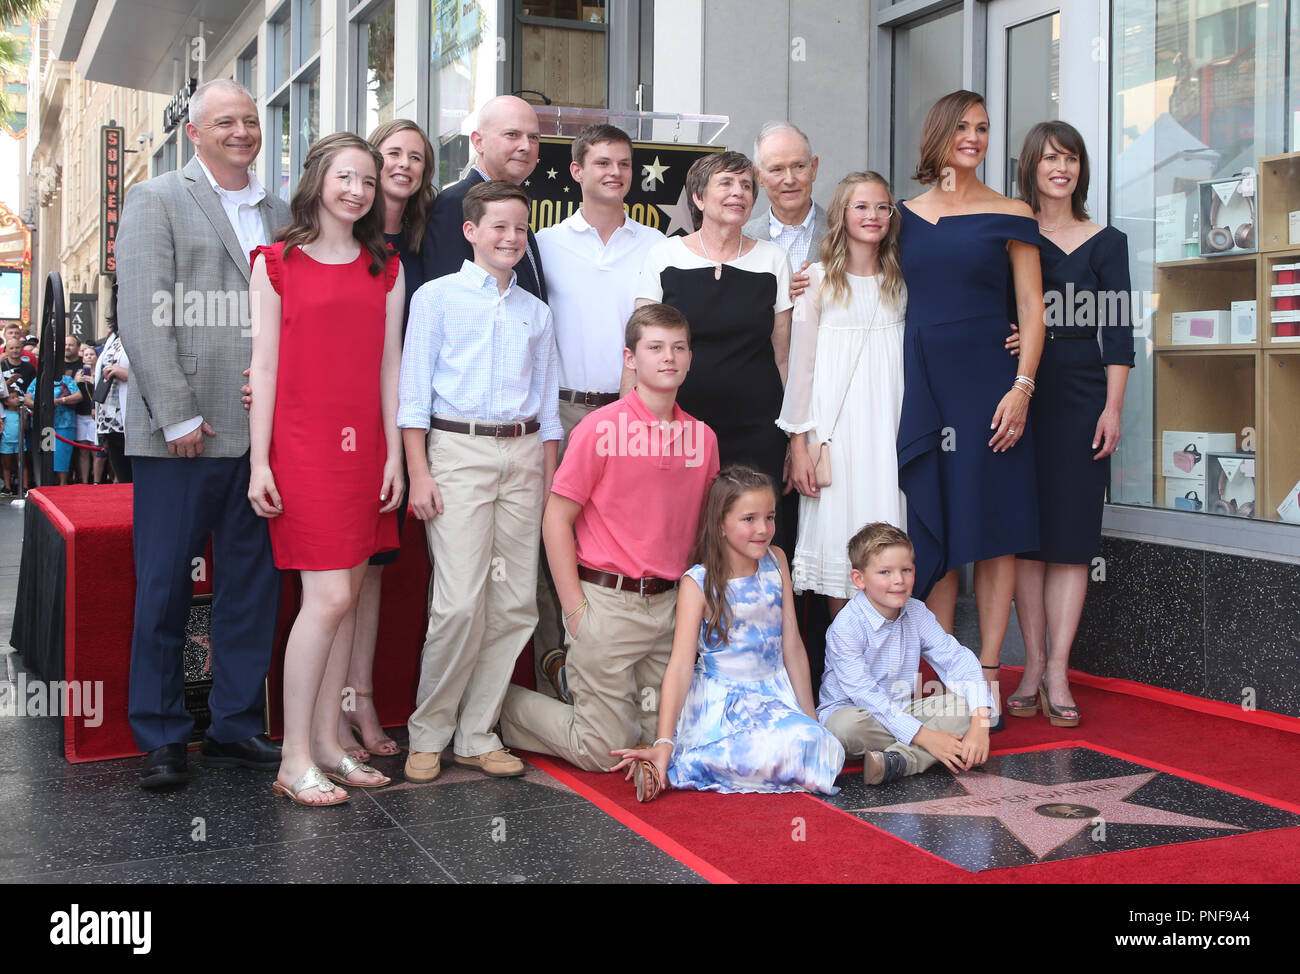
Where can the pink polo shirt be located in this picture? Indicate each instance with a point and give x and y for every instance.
(641, 484)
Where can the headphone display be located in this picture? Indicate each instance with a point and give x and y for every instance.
(1219, 238)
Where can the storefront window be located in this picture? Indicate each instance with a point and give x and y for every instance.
(1199, 182)
(925, 69)
(294, 99)
(562, 51)
(376, 55)
(462, 76)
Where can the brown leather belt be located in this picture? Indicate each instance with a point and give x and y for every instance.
(643, 587)
(588, 398)
(486, 429)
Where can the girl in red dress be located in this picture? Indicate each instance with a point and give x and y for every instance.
(325, 459)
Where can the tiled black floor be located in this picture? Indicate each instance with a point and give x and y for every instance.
(91, 823)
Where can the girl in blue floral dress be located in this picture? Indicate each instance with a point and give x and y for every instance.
(740, 717)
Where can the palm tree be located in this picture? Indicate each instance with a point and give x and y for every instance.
(12, 11)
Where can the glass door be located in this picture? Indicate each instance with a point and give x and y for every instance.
(1033, 77)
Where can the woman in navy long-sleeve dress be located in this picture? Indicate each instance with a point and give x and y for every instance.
(1076, 415)
(965, 454)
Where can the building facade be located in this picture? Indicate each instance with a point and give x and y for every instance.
(1199, 575)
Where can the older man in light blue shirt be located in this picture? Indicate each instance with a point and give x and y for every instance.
(787, 170)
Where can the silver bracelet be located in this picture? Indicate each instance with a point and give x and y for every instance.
(662, 740)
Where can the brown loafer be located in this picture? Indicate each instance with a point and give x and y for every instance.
(495, 764)
(422, 766)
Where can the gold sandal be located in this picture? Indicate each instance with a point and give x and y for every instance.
(313, 777)
(347, 766)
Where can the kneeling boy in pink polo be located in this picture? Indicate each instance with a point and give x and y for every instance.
(619, 528)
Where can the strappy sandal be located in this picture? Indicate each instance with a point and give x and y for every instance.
(347, 766)
(646, 778)
(385, 747)
(1059, 716)
(313, 777)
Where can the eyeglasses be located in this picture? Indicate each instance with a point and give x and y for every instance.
(884, 210)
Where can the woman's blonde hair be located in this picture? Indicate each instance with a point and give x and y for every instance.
(835, 245)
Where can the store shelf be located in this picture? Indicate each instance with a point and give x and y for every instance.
(1279, 195)
(1282, 409)
(1214, 351)
(1207, 263)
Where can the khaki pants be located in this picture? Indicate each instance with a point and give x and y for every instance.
(859, 732)
(616, 665)
(482, 604)
(549, 634)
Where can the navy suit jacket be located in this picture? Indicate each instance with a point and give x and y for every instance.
(445, 248)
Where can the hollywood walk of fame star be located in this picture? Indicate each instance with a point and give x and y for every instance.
(679, 215)
(550, 173)
(654, 173)
(1044, 817)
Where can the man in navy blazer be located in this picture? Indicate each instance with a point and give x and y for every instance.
(505, 140)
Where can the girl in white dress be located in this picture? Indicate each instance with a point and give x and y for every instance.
(845, 387)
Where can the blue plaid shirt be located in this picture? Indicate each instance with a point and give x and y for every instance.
(473, 353)
(872, 663)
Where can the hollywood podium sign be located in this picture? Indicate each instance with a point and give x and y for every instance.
(657, 197)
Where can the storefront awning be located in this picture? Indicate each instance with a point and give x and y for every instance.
(132, 43)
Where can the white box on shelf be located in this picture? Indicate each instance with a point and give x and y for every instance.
(1185, 493)
(1289, 509)
(1295, 228)
(1182, 453)
(1200, 328)
(1243, 321)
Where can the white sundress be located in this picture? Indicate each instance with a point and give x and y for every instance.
(826, 342)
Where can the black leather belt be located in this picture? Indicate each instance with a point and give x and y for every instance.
(1071, 334)
(588, 398)
(486, 429)
(643, 587)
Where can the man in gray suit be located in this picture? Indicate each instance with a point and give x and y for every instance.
(183, 271)
(786, 171)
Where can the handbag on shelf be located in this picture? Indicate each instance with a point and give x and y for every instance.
(1191, 501)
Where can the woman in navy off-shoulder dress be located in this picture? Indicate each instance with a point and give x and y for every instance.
(1076, 414)
(965, 453)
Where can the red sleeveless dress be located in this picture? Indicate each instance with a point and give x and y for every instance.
(327, 438)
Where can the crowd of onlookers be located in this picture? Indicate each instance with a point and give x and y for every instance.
(88, 398)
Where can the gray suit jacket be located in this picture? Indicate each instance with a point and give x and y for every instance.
(182, 310)
(758, 228)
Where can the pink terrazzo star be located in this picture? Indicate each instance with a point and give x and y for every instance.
(1043, 817)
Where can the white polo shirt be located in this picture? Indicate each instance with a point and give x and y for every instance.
(592, 292)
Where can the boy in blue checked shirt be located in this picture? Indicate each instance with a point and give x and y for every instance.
(873, 655)
(480, 393)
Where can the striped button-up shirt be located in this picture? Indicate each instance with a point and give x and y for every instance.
(872, 663)
(474, 353)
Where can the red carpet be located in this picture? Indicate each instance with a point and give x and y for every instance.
(801, 839)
